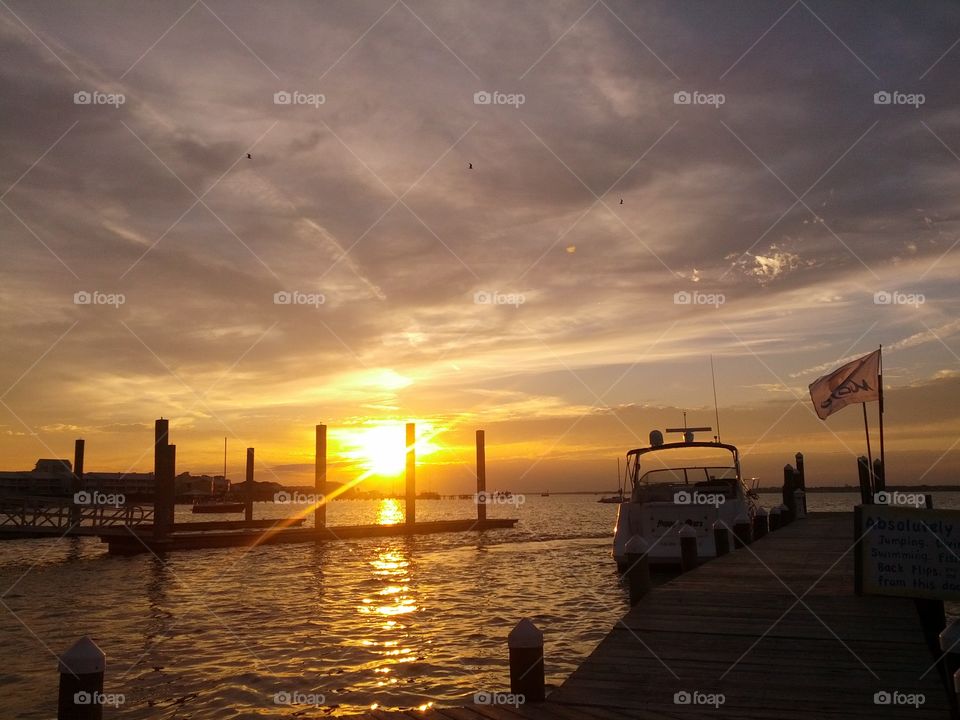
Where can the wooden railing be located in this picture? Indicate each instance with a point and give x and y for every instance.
(57, 513)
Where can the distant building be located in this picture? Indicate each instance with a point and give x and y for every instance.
(48, 477)
(55, 478)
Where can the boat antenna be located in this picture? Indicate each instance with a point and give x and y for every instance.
(716, 408)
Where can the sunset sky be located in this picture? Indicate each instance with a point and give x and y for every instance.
(808, 221)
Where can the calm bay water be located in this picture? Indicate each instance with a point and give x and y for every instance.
(396, 622)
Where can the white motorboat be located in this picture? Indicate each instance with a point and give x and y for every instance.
(676, 484)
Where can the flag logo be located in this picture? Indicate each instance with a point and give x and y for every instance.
(856, 382)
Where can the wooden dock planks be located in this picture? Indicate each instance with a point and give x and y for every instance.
(775, 627)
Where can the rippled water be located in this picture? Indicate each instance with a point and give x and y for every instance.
(396, 622)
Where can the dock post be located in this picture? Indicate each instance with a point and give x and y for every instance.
(161, 461)
(775, 518)
(800, 502)
(320, 480)
(950, 647)
(786, 515)
(790, 483)
(879, 478)
(761, 523)
(638, 568)
(411, 502)
(171, 488)
(866, 490)
(80, 694)
(688, 548)
(741, 531)
(526, 661)
(76, 480)
(801, 475)
(721, 538)
(481, 477)
(248, 488)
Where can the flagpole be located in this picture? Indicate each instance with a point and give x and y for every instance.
(883, 459)
(866, 430)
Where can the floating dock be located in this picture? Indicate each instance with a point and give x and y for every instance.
(775, 628)
(133, 542)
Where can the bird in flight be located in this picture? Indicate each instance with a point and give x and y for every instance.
(469, 166)
(621, 199)
(250, 157)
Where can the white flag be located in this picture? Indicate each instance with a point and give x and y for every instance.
(855, 382)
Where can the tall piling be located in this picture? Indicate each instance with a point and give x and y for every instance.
(162, 477)
(481, 476)
(248, 488)
(411, 502)
(320, 479)
(76, 480)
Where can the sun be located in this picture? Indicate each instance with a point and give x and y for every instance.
(381, 449)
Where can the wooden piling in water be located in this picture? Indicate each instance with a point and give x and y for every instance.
(76, 480)
(163, 479)
(411, 502)
(80, 692)
(320, 478)
(248, 490)
(481, 476)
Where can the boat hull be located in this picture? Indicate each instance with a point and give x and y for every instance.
(658, 523)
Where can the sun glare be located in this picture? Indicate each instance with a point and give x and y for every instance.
(381, 449)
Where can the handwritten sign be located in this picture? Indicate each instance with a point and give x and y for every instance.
(908, 552)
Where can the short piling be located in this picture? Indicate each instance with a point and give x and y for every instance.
(800, 503)
(741, 531)
(162, 477)
(320, 479)
(80, 694)
(411, 501)
(248, 488)
(721, 538)
(774, 518)
(760, 523)
(527, 676)
(637, 573)
(688, 548)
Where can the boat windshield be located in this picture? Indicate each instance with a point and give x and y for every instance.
(689, 476)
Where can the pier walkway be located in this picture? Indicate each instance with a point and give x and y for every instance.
(775, 628)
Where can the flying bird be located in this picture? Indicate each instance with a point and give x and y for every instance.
(250, 157)
(621, 199)
(469, 166)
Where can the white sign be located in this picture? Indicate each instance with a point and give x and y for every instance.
(908, 552)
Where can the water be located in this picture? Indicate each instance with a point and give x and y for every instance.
(393, 622)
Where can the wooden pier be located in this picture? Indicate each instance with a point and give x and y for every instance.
(774, 627)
